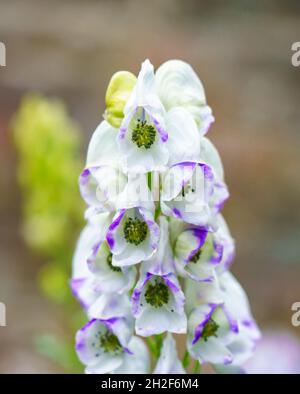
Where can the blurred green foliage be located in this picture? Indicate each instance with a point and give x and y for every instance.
(48, 147)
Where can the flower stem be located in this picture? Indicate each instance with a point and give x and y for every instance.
(186, 359)
(197, 367)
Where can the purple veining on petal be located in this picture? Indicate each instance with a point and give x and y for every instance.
(128, 351)
(111, 241)
(83, 177)
(201, 235)
(80, 345)
(109, 323)
(218, 254)
(227, 360)
(185, 164)
(207, 171)
(168, 281)
(200, 327)
(249, 323)
(88, 324)
(209, 279)
(122, 132)
(176, 213)
(162, 132)
(109, 236)
(223, 196)
(92, 256)
(137, 293)
(117, 221)
(233, 323)
(76, 285)
(229, 259)
(208, 120)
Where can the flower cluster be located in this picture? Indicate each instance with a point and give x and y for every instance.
(153, 259)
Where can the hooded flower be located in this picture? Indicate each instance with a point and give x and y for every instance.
(222, 333)
(158, 305)
(107, 346)
(132, 236)
(168, 362)
(151, 138)
(199, 252)
(142, 134)
(95, 282)
(186, 191)
(82, 279)
(107, 189)
(178, 85)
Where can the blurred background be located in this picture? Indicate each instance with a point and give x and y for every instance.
(69, 50)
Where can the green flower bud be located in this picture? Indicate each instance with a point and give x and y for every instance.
(117, 94)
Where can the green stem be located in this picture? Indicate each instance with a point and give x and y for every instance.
(149, 180)
(151, 345)
(186, 359)
(158, 341)
(197, 367)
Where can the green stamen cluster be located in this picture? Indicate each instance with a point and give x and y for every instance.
(109, 262)
(143, 134)
(196, 257)
(157, 295)
(110, 343)
(210, 330)
(135, 231)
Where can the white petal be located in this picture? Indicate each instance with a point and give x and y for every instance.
(168, 362)
(109, 305)
(103, 149)
(154, 321)
(178, 86)
(212, 351)
(88, 238)
(136, 363)
(106, 364)
(184, 139)
(210, 156)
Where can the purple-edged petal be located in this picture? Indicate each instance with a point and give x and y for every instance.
(169, 316)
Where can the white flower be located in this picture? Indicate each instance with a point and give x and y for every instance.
(82, 282)
(194, 190)
(132, 236)
(186, 193)
(103, 148)
(95, 281)
(224, 332)
(168, 362)
(178, 86)
(149, 138)
(107, 346)
(158, 305)
(143, 135)
(199, 252)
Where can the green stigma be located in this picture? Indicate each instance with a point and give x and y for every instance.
(110, 343)
(157, 295)
(196, 257)
(210, 329)
(143, 134)
(135, 231)
(109, 262)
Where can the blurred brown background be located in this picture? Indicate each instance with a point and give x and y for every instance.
(242, 52)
